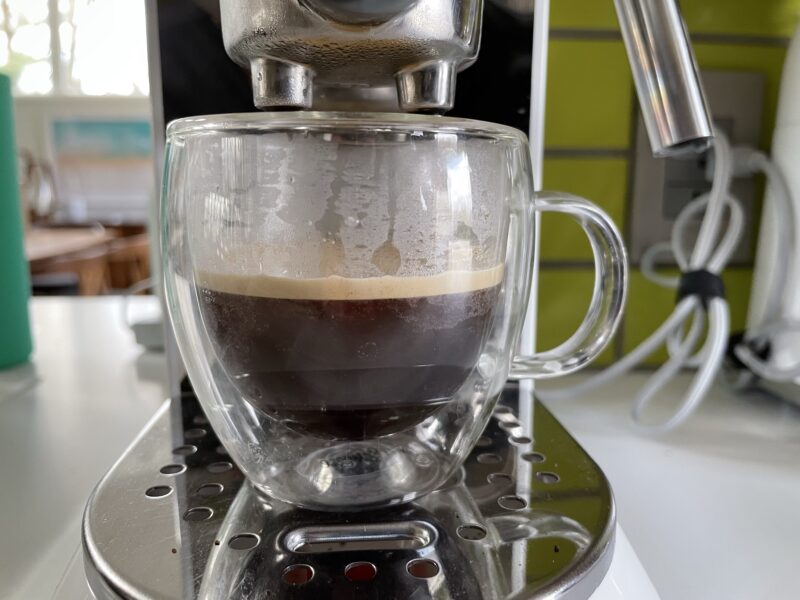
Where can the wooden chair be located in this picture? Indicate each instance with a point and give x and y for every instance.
(90, 266)
(128, 261)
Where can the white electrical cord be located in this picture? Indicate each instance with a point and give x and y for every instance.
(682, 330)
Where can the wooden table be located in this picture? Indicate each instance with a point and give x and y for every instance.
(77, 250)
(43, 244)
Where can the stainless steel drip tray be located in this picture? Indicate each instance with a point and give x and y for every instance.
(174, 518)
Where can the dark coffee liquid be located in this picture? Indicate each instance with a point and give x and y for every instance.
(348, 369)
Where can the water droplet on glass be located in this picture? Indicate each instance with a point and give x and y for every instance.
(423, 460)
(387, 258)
(487, 366)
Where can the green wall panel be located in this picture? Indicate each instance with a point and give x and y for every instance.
(771, 18)
(589, 95)
(583, 14)
(564, 296)
(601, 180)
(774, 18)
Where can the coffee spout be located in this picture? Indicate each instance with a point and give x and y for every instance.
(665, 75)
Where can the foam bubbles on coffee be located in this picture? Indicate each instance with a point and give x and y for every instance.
(335, 287)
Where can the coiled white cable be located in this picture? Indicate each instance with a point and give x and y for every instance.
(682, 330)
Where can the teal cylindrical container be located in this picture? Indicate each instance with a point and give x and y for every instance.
(15, 330)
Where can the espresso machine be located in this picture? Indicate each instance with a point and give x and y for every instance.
(527, 513)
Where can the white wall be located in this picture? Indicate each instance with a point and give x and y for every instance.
(33, 118)
(32, 114)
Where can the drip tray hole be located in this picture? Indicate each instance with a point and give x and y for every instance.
(512, 502)
(158, 491)
(244, 541)
(360, 571)
(423, 568)
(298, 574)
(547, 477)
(471, 532)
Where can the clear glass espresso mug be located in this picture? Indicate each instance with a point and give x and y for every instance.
(347, 291)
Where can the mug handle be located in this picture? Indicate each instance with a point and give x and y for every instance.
(608, 296)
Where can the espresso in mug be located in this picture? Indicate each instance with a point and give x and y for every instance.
(349, 358)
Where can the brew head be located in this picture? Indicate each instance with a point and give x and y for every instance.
(353, 55)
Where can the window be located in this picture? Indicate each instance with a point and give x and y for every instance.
(74, 47)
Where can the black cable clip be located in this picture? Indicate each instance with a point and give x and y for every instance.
(701, 283)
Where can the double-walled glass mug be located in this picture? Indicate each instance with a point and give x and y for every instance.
(347, 291)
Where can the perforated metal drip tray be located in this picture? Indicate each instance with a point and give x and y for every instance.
(174, 518)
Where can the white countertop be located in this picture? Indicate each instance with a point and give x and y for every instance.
(713, 510)
(64, 419)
